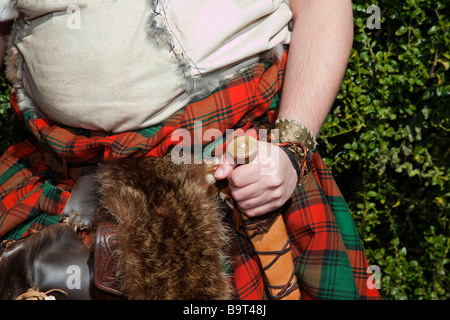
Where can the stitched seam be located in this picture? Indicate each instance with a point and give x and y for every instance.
(185, 55)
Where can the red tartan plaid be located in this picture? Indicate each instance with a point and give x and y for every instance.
(328, 256)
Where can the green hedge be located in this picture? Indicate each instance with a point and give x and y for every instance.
(387, 144)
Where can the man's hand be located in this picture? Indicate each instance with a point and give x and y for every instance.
(263, 185)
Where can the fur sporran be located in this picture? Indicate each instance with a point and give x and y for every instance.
(171, 240)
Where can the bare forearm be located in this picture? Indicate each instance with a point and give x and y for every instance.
(5, 28)
(318, 55)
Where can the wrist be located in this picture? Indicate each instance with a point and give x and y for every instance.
(297, 142)
(294, 161)
(292, 131)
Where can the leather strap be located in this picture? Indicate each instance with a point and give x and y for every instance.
(33, 294)
(105, 259)
(271, 244)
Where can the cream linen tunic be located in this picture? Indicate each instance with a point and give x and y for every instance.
(119, 65)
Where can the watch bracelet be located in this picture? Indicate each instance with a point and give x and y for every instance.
(293, 131)
(299, 154)
(295, 161)
(298, 143)
(300, 157)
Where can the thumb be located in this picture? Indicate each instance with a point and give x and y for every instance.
(225, 166)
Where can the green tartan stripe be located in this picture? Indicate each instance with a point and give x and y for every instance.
(337, 281)
(341, 213)
(41, 219)
(149, 132)
(50, 198)
(345, 223)
(326, 275)
(12, 170)
(31, 212)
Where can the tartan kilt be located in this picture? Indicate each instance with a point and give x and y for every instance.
(328, 256)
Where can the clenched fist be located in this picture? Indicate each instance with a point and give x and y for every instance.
(263, 185)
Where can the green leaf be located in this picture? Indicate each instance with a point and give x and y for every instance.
(372, 194)
(401, 31)
(433, 30)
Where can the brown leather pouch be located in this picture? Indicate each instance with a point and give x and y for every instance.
(105, 260)
(52, 261)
